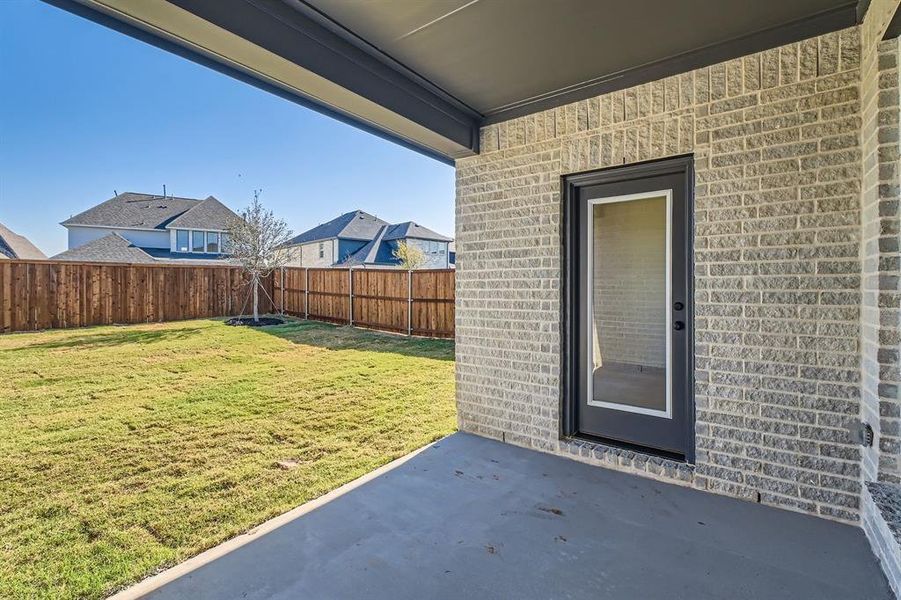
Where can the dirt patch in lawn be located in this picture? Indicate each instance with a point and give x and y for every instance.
(249, 322)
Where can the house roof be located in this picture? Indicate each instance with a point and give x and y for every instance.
(410, 229)
(370, 253)
(380, 251)
(208, 214)
(115, 248)
(13, 245)
(200, 258)
(355, 225)
(109, 248)
(149, 211)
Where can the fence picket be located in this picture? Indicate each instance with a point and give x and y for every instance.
(56, 294)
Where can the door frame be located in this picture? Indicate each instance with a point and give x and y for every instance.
(570, 380)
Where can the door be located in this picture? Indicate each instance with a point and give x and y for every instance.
(632, 310)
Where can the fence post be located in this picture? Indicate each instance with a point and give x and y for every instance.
(283, 290)
(350, 301)
(306, 295)
(410, 302)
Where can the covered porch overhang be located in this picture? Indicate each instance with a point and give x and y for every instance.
(791, 112)
(429, 75)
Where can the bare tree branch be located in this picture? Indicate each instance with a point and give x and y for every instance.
(256, 242)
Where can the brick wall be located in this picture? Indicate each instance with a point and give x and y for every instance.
(881, 227)
(776, 142)
(880, 297)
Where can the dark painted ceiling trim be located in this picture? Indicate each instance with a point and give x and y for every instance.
(349, 36)
(894, 27)
(286, 32)
(825, 22)
(862, 7)
(406, 97)
(295, 31)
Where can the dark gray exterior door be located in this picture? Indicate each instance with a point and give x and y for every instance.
(631, 310)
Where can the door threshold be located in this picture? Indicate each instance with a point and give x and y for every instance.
(643, 450)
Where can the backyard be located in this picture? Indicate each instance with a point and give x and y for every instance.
(124, 450)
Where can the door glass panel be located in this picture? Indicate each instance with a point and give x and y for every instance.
(629, 304)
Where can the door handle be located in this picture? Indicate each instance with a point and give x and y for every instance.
(678, 325)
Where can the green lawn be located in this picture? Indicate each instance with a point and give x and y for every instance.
(124, 450)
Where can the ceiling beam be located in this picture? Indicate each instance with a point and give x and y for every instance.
(275, 47)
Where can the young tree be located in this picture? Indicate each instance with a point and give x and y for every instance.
(410, 257)
(256, 242)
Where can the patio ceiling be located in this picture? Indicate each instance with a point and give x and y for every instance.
(429, 74)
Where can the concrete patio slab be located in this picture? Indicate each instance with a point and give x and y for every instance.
(470, 517)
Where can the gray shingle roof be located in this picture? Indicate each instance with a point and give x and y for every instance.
(201, 258)
(409, 229)
(145, 211)
(208, 214)
(356, 225)
(13, 245)
(368, 254)
(109, 248)
(117, 249)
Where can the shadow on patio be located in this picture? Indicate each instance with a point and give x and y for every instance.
(470, 517)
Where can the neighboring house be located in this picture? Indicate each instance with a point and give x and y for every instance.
(147, 228)
(359, 239)
(13, 245)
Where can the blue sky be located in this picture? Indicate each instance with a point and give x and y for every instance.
(85, 110)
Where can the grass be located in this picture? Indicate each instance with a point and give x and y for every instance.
(124, 450)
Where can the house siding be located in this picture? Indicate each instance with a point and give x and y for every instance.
(79, 236)
(307, 255)
(778, 170)
(348, 247)
(432, 260)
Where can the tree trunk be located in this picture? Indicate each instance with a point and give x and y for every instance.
(256, 300)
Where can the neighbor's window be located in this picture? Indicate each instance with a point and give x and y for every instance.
(223, 240)
(181, 240)
(212, 242)
(197, 241)
(321, 249)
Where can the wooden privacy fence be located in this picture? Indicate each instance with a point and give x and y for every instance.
(419, 302)
(49, 295)
(57, 294)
